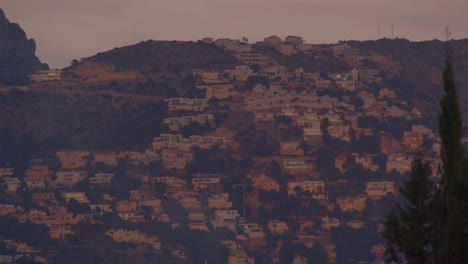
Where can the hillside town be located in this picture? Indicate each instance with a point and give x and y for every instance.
(267, 164)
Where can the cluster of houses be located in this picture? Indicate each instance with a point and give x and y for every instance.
(293, 93)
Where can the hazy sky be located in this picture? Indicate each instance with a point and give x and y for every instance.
(69, 29)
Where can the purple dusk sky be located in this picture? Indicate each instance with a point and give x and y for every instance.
(69, 29)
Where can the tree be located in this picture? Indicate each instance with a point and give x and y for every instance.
(76, 208)
(437, 231)
(451, 202)
(317, 254)
(408, 226)
(286, 254)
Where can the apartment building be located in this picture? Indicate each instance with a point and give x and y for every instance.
(5, 172)
(264, 119)
(46, 75)
(278, 227)
(352, 203)
(202, 181)
(252, 230)
(219, 201)
(225, 218)
(262, 182)
(399, 162)
(377, 190)
(12, 184)
(109, 158)
(255, 59)
(44, 198)
(346, 80)
(316, 188)
(413, 140)
(186, 144)
(176, 123)
(37, 177)
(186, 104)
(101, 178)
(78, 196)
(73, 159)
(69, 178)
(171, 182)
(134, 237)
(240, 73)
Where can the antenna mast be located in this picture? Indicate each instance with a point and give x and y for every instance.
(447, 33)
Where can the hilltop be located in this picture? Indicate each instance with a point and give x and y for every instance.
(159, 57)
(17, 53)
(413, 69)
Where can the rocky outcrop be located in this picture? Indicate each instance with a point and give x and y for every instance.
(17, 53)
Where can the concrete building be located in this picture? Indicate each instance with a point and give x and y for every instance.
(255, 59)
(78, 196)
(219, 201)
(377, 190)
(69, 178)
(12, 184)
(225, 218)
(277, 227)
(352, 203)
(316, 188)
(6, 172)
(296, 40)
(186, 104)
(134, 237)
(413, 140)
(73, 159)
(176, 123)
(262, 182)
(46, 75)
(101, 178)
(201, 181)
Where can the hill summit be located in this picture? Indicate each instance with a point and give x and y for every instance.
(17, 53)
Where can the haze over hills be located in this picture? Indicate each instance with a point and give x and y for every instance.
(164, 68)
(137, 154)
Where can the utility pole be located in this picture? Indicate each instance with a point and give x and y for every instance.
(392, 31)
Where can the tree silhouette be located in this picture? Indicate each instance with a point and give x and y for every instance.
(450, 242)
(408, 226)
(435, 231)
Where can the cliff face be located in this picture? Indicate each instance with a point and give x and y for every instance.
(17, 53)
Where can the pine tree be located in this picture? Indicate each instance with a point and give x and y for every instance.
(408, 226)
(450, 240)
(435, 231)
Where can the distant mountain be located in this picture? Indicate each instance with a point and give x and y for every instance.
(17, 53)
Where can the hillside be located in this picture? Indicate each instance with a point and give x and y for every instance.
(153, 57)
(421, 65)
(39, 122)
(17, 53)
(91, 111)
